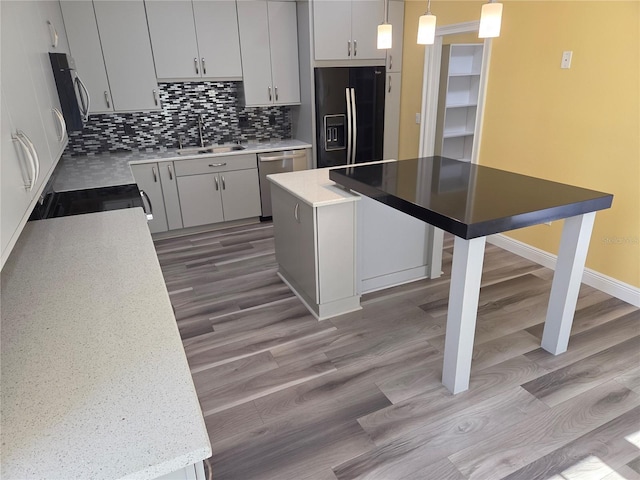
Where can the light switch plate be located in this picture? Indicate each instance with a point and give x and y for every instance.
(418, 118)
(566, 59)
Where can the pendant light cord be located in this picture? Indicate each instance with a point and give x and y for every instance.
(428, 7)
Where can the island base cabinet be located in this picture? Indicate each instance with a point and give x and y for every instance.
(315, 251)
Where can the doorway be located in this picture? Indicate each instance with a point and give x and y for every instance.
(431, 131)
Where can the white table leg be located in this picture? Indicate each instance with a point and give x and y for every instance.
(572, 255)
(468, 256)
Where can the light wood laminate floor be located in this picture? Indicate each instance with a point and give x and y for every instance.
(359, 396)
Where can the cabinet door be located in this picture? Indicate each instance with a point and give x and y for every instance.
(332, 30)
(170, 195)
(392, 115)
(200, 200)
(256, 63)
(218, 38)
(14, 174)
(283, 35)
(84, 43)
(148, 179)
(127, 54)
(53, 23)
(366, 15)
(294, 234)
(173, 38)
(240, 194)
(37, 42)
(396, 19)
(19, 62)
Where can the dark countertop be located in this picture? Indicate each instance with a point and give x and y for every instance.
(468, 200)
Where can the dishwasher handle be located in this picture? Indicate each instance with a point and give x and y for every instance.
(283, 156)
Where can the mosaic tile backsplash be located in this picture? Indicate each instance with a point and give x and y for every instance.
(224, 120)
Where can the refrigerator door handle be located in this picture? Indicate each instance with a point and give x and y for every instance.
(355, 124)
(348, 98)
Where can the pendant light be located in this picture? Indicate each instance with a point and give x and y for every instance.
(384, 29)
(427, 27)
(490, 20)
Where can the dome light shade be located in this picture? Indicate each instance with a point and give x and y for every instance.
(384, 36)
(426, 29)
(490, 20)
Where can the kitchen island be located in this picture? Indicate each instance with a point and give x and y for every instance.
(95, 382)
(472, 201)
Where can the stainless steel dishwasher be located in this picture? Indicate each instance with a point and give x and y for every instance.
(277, 162)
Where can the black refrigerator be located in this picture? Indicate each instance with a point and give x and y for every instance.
(349, 114)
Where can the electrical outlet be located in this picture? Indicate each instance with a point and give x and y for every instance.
(418, 118)
(566, 59)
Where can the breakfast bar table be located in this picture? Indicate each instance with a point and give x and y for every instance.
(473, 201)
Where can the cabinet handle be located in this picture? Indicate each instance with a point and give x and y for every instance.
(32, 147)
(269, 88)
(276, 90)
(389, 90)
(355, 48)
(54, 34)
(156, 100)
(217, 164)
(106, 99)
(204, 67)
(215, 178)
(224, 185)
(144, 196)
(61, 123)
(348, 48)
(296, 210)
(170, 172)
(390, 62)
(25, 148)
(195, 63)
(155, 176)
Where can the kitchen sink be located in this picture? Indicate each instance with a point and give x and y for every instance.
(211, 149)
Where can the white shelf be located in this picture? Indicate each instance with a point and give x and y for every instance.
(463, 74)
(462, 105)
(462, 133)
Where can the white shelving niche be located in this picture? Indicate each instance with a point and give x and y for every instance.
(458, 100)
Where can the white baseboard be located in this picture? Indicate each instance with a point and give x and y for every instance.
(623, 291)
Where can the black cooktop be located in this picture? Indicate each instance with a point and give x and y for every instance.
(76, 202)
(466, 199)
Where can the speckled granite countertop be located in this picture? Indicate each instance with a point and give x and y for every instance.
(95, 382)
(314, 187)
(111, 169)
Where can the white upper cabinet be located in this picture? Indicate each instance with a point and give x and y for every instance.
(193, 40)
(347, 30)
(218, 39)
(109, 41)
(127, 54)
(84, 43)
(283, 40)
(54, 24)
(269, 47)
(173, 38)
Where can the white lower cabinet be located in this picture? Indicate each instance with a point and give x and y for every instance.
(157, 183)
(192, 472)
(219, 197)
(315, 250)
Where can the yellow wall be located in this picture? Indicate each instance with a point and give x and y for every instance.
(579, 126)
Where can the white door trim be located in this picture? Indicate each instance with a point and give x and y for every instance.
(430, 86)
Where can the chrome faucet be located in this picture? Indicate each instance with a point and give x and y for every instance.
(200, 130)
